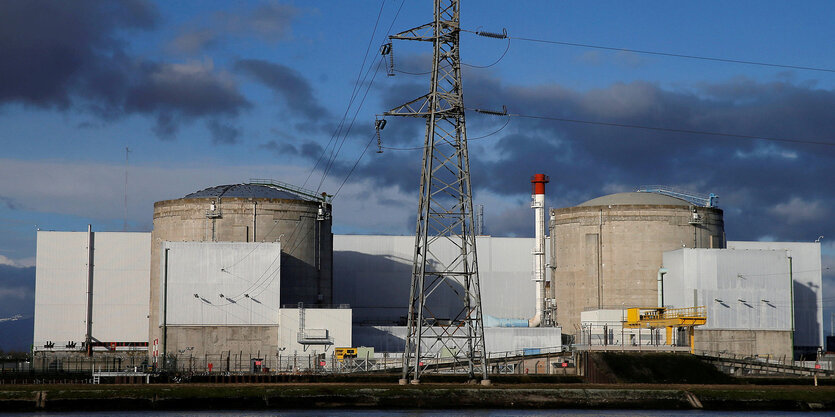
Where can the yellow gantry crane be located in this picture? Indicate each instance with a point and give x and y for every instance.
(669, 318)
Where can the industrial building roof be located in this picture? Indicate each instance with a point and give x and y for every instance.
(623, 199)
(244, 191)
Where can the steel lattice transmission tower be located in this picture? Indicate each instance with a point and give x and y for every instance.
(445, 328)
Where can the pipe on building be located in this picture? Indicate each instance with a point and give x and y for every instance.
(538, 205)
(90, 258)
(490, 321)
(661, 273)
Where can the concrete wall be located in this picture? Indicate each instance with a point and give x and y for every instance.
(336, 322)
(247, 274)
(608, 256)
(373, 275)
(745, 343)
(496, 339)
(807, 287)
(120, 287)
(215, 340)
(306, 242)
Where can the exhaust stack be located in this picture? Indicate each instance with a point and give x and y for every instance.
(538, 205)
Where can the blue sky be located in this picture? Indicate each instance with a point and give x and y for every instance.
(213, 92)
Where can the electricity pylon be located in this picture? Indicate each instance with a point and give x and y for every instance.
(445, 328)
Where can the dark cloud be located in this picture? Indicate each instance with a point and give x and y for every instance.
(10, 203)
(63, 54)
(223, 133)
(279, 149)
(767, 188)
(46, 44)
(286, 83)
(271, 22)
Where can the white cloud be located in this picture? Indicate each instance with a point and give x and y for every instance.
(18, 263)
(798, 210)
(96, 191)
(19, 293)
(6, 261)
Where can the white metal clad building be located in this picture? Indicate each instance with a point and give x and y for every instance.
(220, 283)
(121, 263)
(740, 289)
(324, 329)
(372, 273)
(496, 339)
(806, 274)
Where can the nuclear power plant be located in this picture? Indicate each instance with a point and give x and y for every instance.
(253, 271)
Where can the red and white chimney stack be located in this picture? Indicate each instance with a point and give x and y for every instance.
(538, 182)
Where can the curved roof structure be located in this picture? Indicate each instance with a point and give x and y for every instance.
(244, 191)
(633, 198)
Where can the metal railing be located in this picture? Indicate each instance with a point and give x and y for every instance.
(302, 192)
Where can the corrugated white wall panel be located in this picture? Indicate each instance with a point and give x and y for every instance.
(335, 321)
(373, 273)
(121, 286)
(209, 269)
(808, 291)
(60, 288)
(121, 271)
(741, 289)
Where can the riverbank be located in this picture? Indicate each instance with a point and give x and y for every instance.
(425, 396)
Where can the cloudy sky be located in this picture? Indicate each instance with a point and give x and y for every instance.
(216, 92)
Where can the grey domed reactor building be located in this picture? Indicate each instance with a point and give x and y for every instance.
(606, 252)
(268, 212)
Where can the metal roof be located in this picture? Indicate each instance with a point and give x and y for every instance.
(624, 199)
(244, 191)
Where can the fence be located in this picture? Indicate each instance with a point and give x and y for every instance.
(533, 361)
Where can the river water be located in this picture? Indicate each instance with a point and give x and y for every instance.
(418, 413)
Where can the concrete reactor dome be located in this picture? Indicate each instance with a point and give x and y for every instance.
(244, 191)
(260, 211)
(635, 198)
(607, 252)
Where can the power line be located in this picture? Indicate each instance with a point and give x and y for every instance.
(675, 130)
(350, 126)
(354, 93)
(417, 148)
(335, 151)
(494, 63)
(388, 31)
(667, 54)
(355, 165)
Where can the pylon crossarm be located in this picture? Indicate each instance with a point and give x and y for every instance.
(419, 107)
(425, 32)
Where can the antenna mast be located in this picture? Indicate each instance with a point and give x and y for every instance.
(444, 325)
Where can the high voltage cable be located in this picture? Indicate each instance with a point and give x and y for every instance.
(351, 125)
(416, 148)
(494, 63)
(335, 151)
(355, 165)
(674, 130)
(354, 92)
(667, 54)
